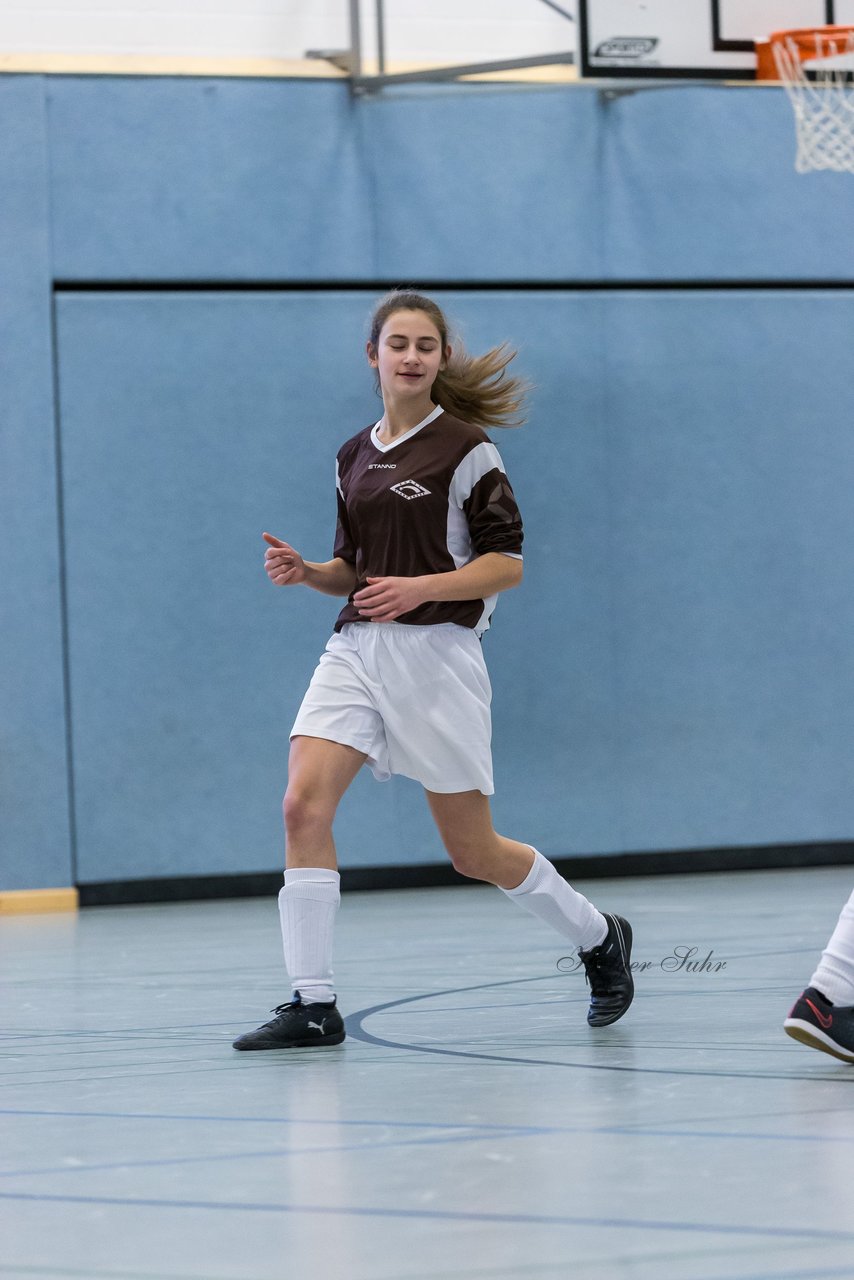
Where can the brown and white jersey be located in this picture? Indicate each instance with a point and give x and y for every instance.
(429, 502)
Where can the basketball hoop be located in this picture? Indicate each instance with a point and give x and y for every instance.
(816, 68)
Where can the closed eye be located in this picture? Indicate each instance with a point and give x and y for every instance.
(428, 344)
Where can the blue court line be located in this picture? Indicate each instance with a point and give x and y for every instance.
(18, 1271)
(368, 1148)
(823, 1273)
(373, 1147)
(301, 1120)
(356, 1031)
(476, 1130)
(13, 1034)
(195, 1027)
(121, 1069)
(440, 1215)
(105, 1034)
(135, 1071)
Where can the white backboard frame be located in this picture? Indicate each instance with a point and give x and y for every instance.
(689, 39)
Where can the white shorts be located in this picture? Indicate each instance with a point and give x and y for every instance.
(415, 700)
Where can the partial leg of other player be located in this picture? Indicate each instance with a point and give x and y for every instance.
(823, 1015)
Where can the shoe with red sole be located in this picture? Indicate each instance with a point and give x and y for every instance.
(822, 1025)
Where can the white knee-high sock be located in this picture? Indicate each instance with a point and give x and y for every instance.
(307, 907)
(546, 894)
(834, 976)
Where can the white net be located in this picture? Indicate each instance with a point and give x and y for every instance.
(819, 80)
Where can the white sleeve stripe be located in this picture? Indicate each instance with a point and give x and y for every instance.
(482, 459)
(338, 479)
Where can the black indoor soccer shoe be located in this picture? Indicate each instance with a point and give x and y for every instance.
(607, 966)
(296, 1026)
(820, 1024)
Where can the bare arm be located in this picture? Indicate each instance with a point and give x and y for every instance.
(485, 576)
(332, 577)
(385, 599)
(286, 568)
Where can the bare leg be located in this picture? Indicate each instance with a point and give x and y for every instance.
(465, 823)
(477, 850)
(319, 773)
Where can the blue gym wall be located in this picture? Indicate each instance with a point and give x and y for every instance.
(676, 671)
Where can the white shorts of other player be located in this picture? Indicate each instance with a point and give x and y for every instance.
(414, 699)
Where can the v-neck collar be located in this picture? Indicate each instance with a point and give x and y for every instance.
(407, 435)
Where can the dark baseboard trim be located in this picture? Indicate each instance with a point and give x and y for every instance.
(494, 285)
(439, 875)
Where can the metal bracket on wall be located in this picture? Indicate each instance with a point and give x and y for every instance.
(615, 90)
(352, 60)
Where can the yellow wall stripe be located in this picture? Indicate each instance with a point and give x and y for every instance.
(131, 64)
(15, 902)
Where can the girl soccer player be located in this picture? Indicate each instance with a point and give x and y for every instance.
(428, 536)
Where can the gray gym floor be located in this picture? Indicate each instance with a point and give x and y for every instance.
(471, 1126)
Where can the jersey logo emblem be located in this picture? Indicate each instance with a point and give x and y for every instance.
(409, 489)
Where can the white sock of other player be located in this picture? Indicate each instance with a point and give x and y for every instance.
(546, 894)
(834, 976)
(307, 907)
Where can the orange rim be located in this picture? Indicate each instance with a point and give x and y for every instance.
(804, 41)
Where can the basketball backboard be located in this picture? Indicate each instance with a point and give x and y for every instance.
(692, 39)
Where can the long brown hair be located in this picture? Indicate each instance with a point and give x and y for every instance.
(477, 389)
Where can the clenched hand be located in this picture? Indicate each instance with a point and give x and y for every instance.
(284, 566)
(385, 599)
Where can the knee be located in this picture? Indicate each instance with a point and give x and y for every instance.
(468, 860)
(305, 813)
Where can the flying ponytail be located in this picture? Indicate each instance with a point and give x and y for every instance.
(477, 389)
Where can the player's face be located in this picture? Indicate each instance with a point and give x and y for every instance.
(408, 354)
